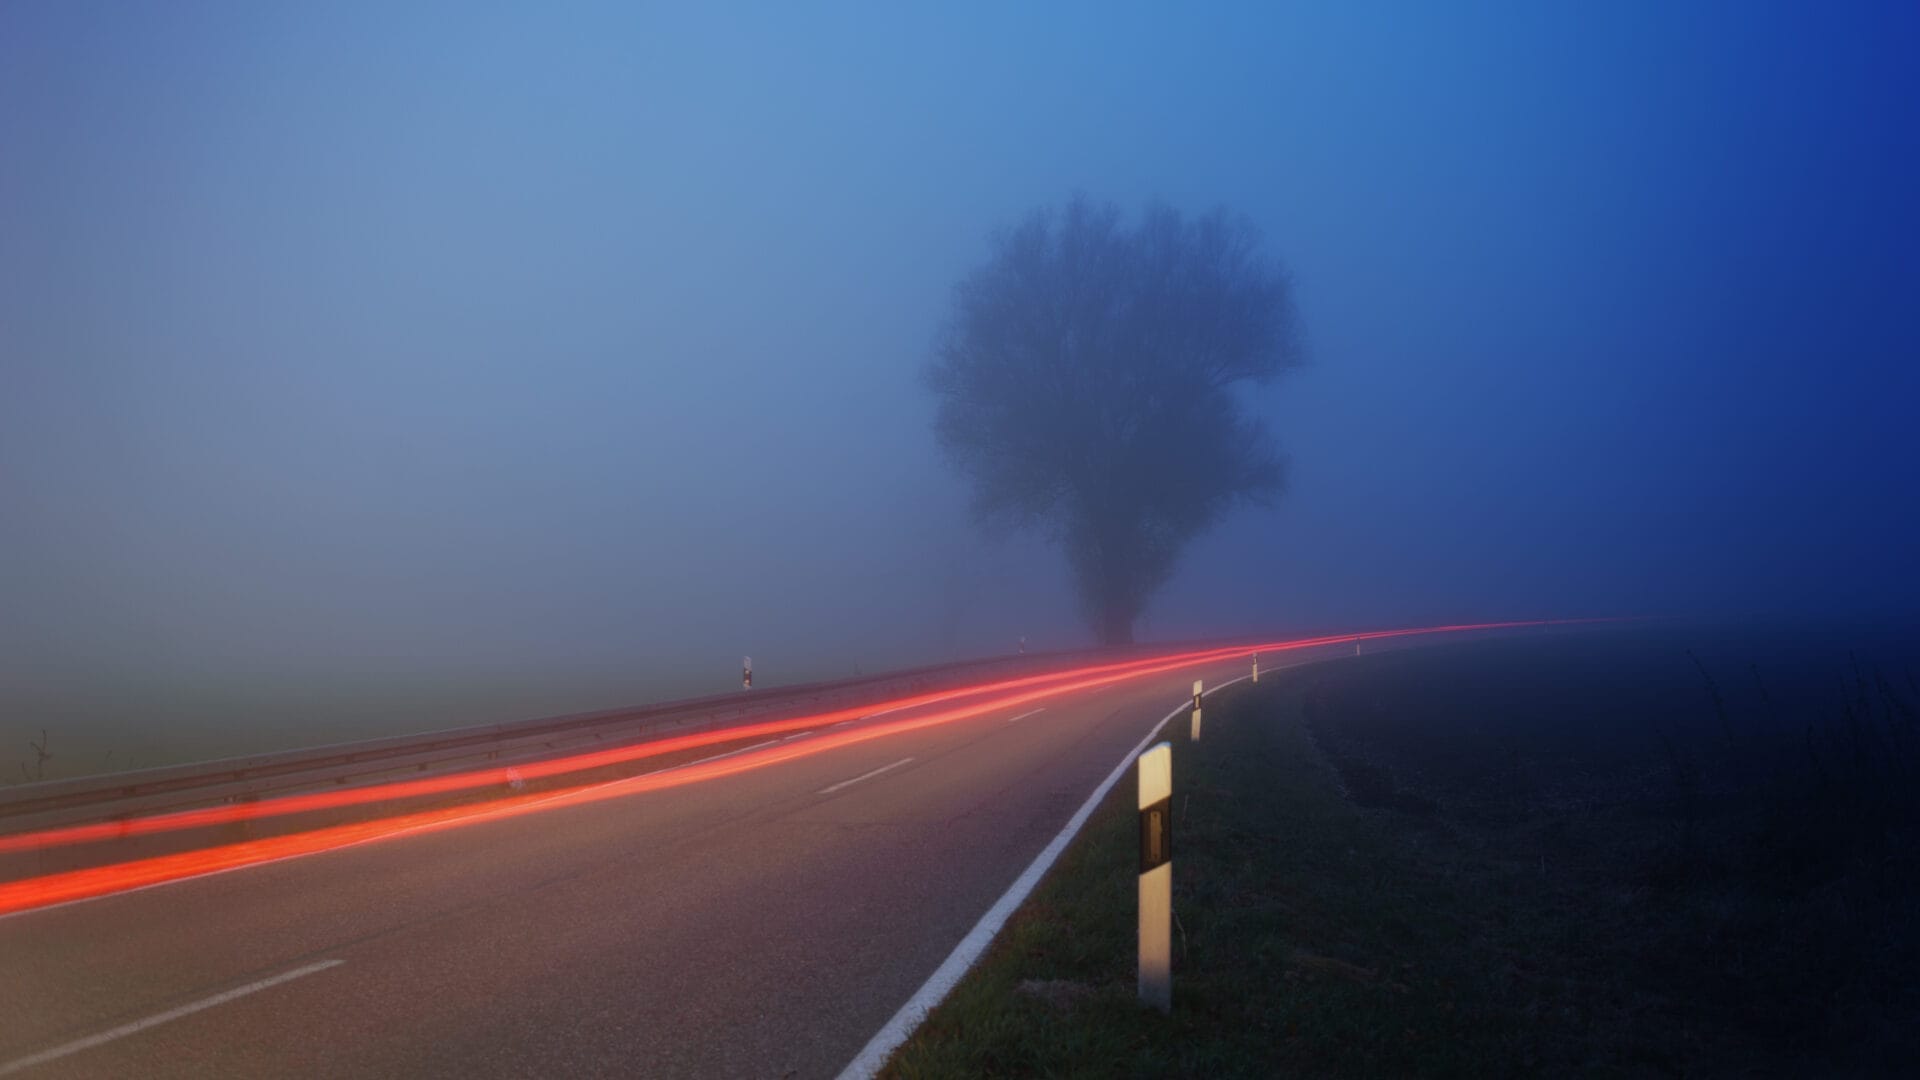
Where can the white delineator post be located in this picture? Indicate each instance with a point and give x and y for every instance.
(1195, 734)
(1156, 877)
(746, 673)
(1256, 667)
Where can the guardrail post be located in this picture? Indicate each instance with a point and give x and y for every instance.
(1156, 877)
(1195, 734)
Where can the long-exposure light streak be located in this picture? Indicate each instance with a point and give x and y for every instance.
(499, 776)
(81, 884)
(95, 881)
(394, 791)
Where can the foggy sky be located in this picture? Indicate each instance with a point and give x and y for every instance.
(338, 340)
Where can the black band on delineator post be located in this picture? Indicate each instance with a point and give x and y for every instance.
(1156, 835)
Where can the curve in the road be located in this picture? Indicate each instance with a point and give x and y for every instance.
(77, 885)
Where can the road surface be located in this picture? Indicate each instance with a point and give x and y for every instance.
(763, 924)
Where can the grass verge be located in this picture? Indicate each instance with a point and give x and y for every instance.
(1304, 941)
(1527, 858)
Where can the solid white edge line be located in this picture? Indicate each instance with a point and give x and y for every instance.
(157, 1019)
(944, 978)
(831, 788)
(1024, 715)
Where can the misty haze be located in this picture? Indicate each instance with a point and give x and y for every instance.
(372, 371)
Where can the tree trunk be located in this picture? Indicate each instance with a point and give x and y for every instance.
(1099, 547)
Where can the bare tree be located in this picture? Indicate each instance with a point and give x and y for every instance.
(1087, 381)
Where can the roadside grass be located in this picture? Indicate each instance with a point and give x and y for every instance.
(1306, 941)
(1798, 889)
(1701, 887)
(1533, 859)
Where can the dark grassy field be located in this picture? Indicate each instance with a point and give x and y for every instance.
(1712, 839)
(1620, 853)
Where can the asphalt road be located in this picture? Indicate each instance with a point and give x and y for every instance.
(764, 924)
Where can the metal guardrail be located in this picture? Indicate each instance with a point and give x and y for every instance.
(43, 804)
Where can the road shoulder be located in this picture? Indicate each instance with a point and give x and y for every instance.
(1306, 938)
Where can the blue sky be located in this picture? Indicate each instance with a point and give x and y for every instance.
(341, 340)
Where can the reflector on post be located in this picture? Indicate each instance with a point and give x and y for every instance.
(1156, 877)
(1194, 735)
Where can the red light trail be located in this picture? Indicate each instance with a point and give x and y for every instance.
(498, 777)
(68, 886)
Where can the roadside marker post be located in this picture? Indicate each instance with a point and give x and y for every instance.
(1156, 877)
(1256, 667)
(746, 673)
(1195, 734)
